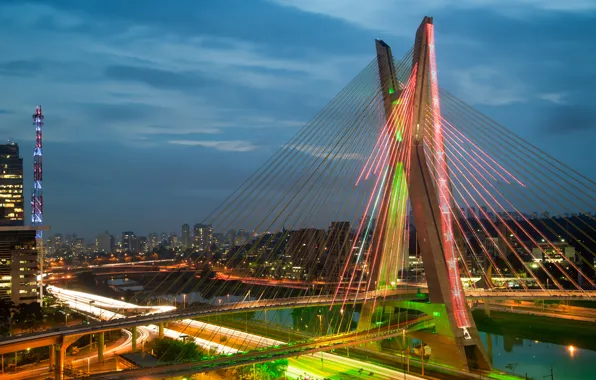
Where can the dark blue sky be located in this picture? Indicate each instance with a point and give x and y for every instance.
(156, 112)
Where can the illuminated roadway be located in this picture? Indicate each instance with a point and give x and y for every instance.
(323, 364)
(326, 343)
(46, 338)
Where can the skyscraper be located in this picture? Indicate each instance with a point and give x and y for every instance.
(11, 186)
(130, 242)
(203, 235)
(186, 236)
(19, 266)
(104, 243)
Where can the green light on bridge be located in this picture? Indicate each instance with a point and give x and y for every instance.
(436, 314)
(391, 91)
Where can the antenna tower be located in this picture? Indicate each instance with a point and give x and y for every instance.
(37, 193)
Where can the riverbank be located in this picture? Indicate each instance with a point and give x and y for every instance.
(544, 329)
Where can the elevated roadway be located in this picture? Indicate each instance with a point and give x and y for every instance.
(56, 336)
(266, 355)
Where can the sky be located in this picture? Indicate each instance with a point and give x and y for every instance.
(156, 113)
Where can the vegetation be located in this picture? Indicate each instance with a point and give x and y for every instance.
(263, 371)
(170, 350)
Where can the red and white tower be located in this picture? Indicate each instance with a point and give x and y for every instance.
(37, 193)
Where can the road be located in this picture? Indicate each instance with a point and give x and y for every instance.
(207, 336)
(117, 321)
(553, 311)
(80, 361)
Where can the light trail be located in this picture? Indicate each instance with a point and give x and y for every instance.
(252, 341)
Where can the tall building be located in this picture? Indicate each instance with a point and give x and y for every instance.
(104, 243)
(338, 249)
(130, 242)
(173, 240)
(11, 186)
(306, 248)
(203, 235)
(186, 243)
(143, 244)
(19, 264)
(153, 241)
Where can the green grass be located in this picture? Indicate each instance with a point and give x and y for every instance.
(544, 329)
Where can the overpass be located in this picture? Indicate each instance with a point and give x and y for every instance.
(312, 346)
(57, 335)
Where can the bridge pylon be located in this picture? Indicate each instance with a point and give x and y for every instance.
(456, 341)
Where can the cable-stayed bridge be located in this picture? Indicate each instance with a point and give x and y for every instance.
(401, 168)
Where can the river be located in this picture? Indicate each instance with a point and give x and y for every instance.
(536, 358)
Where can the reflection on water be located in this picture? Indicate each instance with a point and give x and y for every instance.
(536, 358)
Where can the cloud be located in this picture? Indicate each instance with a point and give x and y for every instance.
(397, 18)
(324, 152)
(5, 112)
(227, 146)
(488, 86)
(19, 68)
(553, 97)
(160, 79)
(569, 118)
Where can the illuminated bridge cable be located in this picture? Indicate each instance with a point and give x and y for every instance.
(539, 233)
(463, 189)
(468, 187)
(521, 195)
(534, 195)
(284, 155)
(554, 192)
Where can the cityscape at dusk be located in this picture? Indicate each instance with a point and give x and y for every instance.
(297, 189)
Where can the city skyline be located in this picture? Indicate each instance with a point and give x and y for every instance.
(136, 139)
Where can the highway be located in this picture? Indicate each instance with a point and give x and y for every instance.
(309, 364)
(117, 321)
(8, 345)
(313, 346)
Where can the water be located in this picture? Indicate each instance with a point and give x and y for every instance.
(535, 358)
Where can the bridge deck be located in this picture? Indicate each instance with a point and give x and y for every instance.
(22, 342)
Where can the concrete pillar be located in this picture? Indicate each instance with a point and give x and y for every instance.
(161, 330)
(100, 346)
(134, 339)
(489, 347)
(486, 307)
(60, 355)
(52, 357)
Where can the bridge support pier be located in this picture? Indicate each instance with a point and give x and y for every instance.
(134, 339)
(59, 357)
(486, 307)
(52, 357)
(100, 346)
(161, 330)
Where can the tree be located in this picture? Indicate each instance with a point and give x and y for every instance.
(265, 371)
(28, 316)
(512, 367)
(170, 350)
(6, 310)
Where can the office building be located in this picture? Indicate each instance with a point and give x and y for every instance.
(203, 235)
(130, 242)
(186, 243)
(11, 186)
(19, 266)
